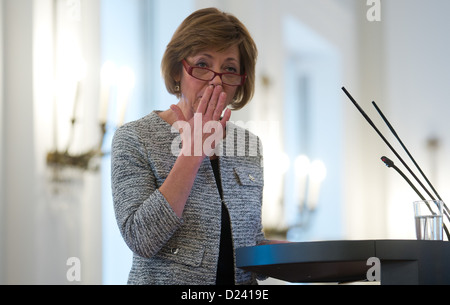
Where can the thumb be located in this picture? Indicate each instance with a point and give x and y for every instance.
(178, 113)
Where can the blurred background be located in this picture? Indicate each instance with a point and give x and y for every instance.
(72, 71)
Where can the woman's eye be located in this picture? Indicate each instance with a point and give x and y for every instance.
(231, 70)
(202, 65)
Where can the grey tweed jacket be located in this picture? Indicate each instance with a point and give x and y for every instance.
(167, 249)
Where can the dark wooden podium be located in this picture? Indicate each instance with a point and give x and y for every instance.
(401, 261)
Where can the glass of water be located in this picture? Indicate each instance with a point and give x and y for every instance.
(428, 218)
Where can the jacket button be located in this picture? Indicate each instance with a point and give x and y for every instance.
(174, 250)
(251, 178)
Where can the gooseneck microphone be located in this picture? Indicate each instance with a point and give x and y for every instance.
(384, 139)
(446, 209)
(407, 151)
(389, 163)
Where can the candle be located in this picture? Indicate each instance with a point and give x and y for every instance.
(316, 176)
(75, 99)
(124, 87)
(301, 165)
(108, 73)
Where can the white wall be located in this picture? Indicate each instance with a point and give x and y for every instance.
(417, 78)
(364, 175)
(19, 190)
(2, 199)
(46, 222)
(403, 66)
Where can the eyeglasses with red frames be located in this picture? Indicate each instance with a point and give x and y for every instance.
(205, 74)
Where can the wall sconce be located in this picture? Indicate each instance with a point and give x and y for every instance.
(124, 80)
(57, 158)
(70, 70)
(60, 159)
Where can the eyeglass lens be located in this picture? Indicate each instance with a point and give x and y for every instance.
(207, 75)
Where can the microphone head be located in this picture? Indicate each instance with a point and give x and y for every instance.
(387, 161)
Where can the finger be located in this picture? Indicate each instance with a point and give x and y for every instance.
(226, 117)
(221, 104)
(213, 101)
(201, 108)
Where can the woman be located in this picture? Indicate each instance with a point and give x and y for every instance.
(183, 214)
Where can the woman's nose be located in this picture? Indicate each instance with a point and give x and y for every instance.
(217, 80)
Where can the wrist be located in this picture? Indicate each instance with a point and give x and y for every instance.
(191, 159)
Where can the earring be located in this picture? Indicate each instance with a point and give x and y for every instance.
(177, 87)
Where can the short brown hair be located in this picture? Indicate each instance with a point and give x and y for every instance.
(205, 29)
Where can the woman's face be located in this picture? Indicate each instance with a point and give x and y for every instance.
(192, 89)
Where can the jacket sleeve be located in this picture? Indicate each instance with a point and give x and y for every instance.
(145, 218)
